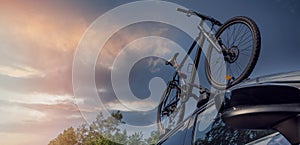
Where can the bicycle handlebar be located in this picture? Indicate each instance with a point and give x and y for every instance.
(203, 17)
(183, 10)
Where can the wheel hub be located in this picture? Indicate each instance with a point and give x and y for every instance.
(232, 54)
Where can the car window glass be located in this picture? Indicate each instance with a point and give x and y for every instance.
(272, 139)
(210, 129)
(178, 136)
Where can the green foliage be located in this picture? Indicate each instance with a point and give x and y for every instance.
(136, 139)
(153, 139)
(103, 131)
(68, 137)
(120, 137)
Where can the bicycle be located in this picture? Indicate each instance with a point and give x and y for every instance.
(237, 38)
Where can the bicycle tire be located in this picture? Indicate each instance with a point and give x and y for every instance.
(159, 111)
(253, 57)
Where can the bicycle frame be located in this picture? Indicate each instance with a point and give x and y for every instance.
(199, 41)
(186, 93)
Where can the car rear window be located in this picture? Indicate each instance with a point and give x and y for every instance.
(210, 129)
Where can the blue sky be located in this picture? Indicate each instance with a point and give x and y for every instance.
(278, 22)
(39, 39)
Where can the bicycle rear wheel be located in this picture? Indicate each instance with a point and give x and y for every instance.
(241, 37)
(170, 110)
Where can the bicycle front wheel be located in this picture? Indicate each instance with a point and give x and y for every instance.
(241, 37)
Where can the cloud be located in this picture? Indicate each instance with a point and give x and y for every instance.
(46, 116)
(18, 114)
(125, 105)
(39, 45)
(46, 99)
(119, 40)
(36, 53)
(36, 108)
(153, 64)
(21, 72)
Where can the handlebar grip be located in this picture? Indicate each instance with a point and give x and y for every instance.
(183, 10)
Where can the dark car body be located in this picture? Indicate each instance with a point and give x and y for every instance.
(264, 110)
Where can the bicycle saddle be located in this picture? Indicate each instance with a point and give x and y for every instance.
(172, 61)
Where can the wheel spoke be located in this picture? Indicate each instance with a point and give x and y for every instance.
(239, 66)
(245, 37)
(245, 43)
(230, 37)
(237, 34)
(245, 54)
(230, 70)
(240, 31)
(234, 29)
(242, 37)
(246, 48)
(227, 42)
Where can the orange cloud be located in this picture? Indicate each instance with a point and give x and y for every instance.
(41, 44)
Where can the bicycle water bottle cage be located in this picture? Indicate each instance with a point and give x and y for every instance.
(190, 67)
(172, 61)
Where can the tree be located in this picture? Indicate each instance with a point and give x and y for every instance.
(81, 133)
(99, 140)
(68, 137)
(107, 126)
(136, 139)
(120, 137)
(103, 131)
(153, 139)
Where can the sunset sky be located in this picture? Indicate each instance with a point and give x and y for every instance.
(38, 40)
